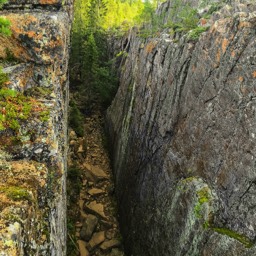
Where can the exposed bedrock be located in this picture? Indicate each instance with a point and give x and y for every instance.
(183, 129)
(33, 146)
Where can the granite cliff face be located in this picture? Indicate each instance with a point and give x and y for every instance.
(33, 154)
(183, 129)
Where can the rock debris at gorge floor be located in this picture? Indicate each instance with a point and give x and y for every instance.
(97, 230)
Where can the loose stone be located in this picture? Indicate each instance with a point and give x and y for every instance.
(88, 227)
(95, 208)
(96, 192)
(109, 244)
(96, 240)
(97, 172)
(82, 248)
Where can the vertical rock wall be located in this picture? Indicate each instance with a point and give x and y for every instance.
(183, 129)
(33, 156)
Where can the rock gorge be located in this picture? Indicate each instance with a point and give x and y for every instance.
(182, 126)
(183, 129)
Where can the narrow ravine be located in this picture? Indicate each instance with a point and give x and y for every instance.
(93, 226)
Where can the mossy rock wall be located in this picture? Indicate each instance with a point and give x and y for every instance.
(33, 155)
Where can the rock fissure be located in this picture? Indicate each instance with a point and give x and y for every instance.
(181, 126)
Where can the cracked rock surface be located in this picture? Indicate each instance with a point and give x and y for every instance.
(33, 157)
(184, 119)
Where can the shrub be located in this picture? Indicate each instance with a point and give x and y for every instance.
(195, 33)
(4, 23)
(76, 120)
(5, 26)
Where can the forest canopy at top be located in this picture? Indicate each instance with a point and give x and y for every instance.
(112, 14)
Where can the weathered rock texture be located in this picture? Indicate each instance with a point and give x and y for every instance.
(33, 158)
(183, 129)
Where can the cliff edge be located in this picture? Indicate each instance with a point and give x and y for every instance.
(33, 127)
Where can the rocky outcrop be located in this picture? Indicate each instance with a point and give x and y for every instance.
(183, 129)
(33, 138)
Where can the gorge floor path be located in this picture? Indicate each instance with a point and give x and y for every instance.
(94, 210)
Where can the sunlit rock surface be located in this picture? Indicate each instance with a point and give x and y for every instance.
(33, 157)
(183, 129)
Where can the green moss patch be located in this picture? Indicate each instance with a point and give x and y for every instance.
(16, 107)
(203, 197)
(38, 92)
(16, 193)
(241, 238)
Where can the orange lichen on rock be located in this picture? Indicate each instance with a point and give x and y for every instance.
(233, 54)
(224, 45)
(150, 46)
(244, 24)
(13, 46)
(34, 37)
(218, 56)
(20, 22)
(254, 74)
(241, 79)
(49, 2)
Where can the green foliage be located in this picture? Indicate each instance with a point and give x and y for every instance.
(9, 56)
(241, 238)
(72, 249)
(147, 14)
(4, 160)
(2, 2)
(3, 77)
(16, 107)
(206, 225)
(203, 197)
(4, 23)
(183, 19)
(5, 26)
(74, 174)
(105, 84)
(90, 59)
(122, 53)
(74, 185)
(76, 120)
(188, 19)
(94, 69)
(195, 33)
(16, 193)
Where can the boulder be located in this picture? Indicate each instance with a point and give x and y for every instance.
(88, 227)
